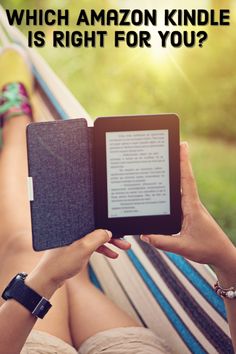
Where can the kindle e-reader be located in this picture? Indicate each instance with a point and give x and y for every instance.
(137, 174)
(123, 174)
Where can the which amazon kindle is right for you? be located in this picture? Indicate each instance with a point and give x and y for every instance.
(123, 174)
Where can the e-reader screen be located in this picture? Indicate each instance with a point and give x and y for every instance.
(137, 165)
(137, 174)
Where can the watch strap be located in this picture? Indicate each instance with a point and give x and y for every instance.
(29, 298)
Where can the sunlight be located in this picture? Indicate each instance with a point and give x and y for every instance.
(157, 52)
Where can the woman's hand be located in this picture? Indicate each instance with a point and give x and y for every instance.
(200, 239)
(119, 243)
(59, 264)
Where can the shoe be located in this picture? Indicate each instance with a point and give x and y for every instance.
(15, 66)
(16, 81)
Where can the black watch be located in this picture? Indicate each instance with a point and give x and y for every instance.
(19, 291)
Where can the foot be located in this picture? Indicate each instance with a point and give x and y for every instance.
(16, 81)
(15, 67)
(14, 101)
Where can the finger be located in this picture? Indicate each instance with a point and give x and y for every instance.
(95, 239)
(107, 252)
(163, 242)
(122, 244)
(188, 183)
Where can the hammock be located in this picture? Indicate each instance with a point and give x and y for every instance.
(163, 291)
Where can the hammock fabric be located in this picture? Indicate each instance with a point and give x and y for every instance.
(163, 291)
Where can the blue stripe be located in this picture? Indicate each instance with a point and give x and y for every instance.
(50, 94)
(94, 278)
(199, 283)
(190, 341)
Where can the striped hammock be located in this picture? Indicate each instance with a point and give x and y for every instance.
(163, 291)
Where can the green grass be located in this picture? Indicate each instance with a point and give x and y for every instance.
(214, 164)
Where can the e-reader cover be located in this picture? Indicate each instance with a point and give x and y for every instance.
(60, 182)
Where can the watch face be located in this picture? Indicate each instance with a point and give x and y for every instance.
(7, 292)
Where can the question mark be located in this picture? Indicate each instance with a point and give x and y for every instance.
(202, 37)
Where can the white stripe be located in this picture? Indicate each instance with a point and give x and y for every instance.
(3, 38)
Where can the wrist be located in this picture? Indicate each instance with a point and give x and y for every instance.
(42, 283)
(226, 271)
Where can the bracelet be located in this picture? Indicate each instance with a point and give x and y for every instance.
(229, 293)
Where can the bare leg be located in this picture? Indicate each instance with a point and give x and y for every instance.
(91, 311)
(14, 208)
(16, 253)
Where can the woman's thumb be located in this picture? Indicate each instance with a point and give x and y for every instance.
(163, 242)
(96, 239)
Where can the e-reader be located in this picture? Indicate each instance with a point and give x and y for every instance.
(123, 174)
(137, 174)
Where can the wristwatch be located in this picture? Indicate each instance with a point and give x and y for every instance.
(19, 291)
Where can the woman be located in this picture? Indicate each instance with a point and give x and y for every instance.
(81, 316)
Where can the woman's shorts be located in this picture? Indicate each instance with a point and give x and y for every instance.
(127, 340)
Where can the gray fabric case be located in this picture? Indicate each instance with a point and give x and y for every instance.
(60, 164)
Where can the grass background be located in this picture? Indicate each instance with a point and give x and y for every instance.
(214, 164)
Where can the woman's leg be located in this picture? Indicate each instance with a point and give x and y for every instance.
(91, 311)
(16, 253)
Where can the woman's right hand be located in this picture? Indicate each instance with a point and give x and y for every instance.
(201, 239)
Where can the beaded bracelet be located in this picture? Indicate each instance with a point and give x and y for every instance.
(229, 293)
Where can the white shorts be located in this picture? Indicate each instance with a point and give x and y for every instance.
(127, 340)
